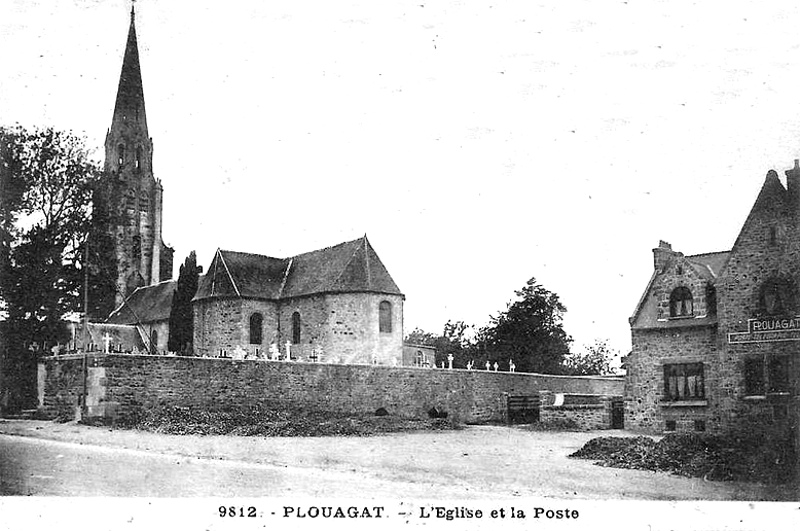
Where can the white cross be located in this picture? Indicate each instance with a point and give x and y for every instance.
(107, 341)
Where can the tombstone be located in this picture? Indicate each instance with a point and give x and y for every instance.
(495, 366)
(274, 353)
(450, 361)
(239, 353)
(511, 366)
(488, 365)
(288, 351)
(106, 342)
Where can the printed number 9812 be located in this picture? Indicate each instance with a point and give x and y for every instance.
(232, 511)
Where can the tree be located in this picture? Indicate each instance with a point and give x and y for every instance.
(454, 341)
(181, 321)
(529, 332)
(596, 359)
(46, 217)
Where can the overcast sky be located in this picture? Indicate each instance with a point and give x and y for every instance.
(477, 144)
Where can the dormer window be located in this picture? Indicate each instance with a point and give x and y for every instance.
(681, 302)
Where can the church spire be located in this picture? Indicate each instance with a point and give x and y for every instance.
(129, 107)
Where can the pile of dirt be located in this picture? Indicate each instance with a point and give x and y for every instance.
(275, 423)
(742, 457)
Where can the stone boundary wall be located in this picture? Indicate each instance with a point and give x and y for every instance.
(131, 384)
(588, 412)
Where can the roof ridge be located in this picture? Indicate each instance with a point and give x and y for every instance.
(229, 274)
(251, 254)
(285, 278)
(327, 248)
(706, 254)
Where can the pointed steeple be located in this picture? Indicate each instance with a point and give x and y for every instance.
(129, 107)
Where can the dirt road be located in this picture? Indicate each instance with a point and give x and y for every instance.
(479, 462)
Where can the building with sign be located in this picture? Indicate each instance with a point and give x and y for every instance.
(716, 336)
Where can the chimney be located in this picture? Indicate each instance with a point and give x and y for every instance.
(661, 255)
(793, 187)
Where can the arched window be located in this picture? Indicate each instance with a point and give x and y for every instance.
(154, 342)
(256, 329)
(680, 302)
(385, 317)
(777, 296)
(138, 157)
(144, 202)
(120, 155)
(296, 328)
(419, 359)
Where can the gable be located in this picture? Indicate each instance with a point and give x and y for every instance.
(693, 273)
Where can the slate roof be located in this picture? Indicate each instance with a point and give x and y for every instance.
(345, 268)
(709, 265)
(146, 304)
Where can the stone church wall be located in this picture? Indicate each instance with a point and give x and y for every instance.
(133, 384)
(222, 325)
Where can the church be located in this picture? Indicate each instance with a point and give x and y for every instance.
(716, 336)
(337, 305)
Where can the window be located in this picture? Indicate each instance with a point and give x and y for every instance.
(684, 381)
(680, 302)
(144, 202)
(385, 317)
(154, 342)
(679, 270)
(773, 235)
(296, 328)
(777, 296)
(671, 425)
(138, 158)
(120, 155)
(711, 300)
(779, 374)
(754, 376)
(419, 359)
(256, 329)
(130, 199)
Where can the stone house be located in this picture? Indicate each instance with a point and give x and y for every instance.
(716, 336)
(418, 355)
(336, 305)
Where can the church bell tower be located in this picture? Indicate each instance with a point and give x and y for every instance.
(132, 193)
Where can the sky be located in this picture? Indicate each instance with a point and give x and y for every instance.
(477, 144)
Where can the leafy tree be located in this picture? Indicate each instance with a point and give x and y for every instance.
(596, 359)
(529, 332)
(102, 263)
(46, 216)
(181, 322)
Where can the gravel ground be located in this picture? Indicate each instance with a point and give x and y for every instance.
(477, 462)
